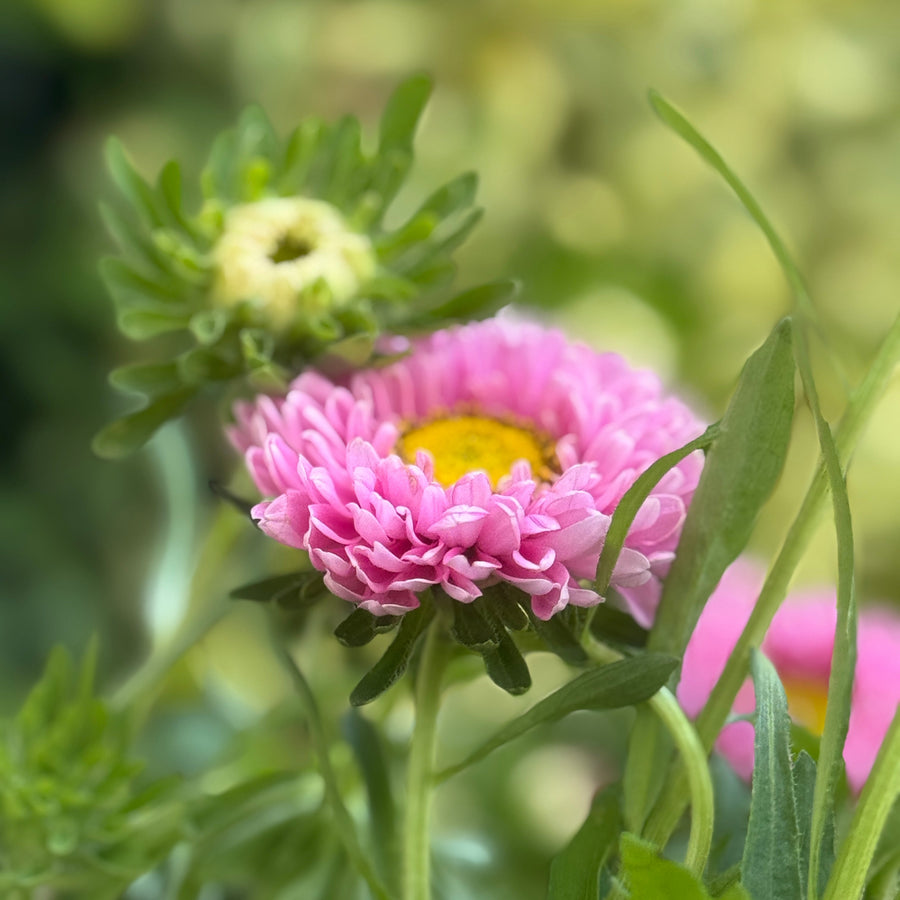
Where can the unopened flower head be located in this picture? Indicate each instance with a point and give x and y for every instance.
(290, 257)
(493, 452)
(799, 644)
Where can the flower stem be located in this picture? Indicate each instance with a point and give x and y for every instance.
(862, 404)
(693, 755)
(848, 878)
(206, 608)
(346, 827)
(420, 767)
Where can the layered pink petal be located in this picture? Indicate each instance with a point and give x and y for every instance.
(383, 530)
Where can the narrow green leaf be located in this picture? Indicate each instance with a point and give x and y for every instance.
(504, 605)
(151, 379)
(560, 639)
(203, 364)
(879, 796)
(402, 113)
(393, 663)
(122, 437)
(480, 301)
(270, 590)
(133, 239)
(361, 626)
(771, 864)
(302, 147)
(650, 877)
(741, 470)
(613, 626)
(141, 196)
(140, 325)
(368, 749)
(633, 500)
(622, 683)
(129, 287)
(575, 870)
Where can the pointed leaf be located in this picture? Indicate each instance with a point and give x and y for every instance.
(274, 588)
(393, 663)
(770, 869)
(141, 196)
(622, 683)
(560, 639)
(741, 470)
(613, 626)
(361, 626)
(402, 113)
(506, 666)
(124, 436)
(476, 302)
(575, 870)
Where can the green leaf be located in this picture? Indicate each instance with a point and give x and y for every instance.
(560, 639)
(393, 663)
(151, 379)
(140, 325)
(130, 288)
(741, 470)
(631, 503)
(575, 870)
(275, 589)
(402, 113)
(368, 749)
(804, 788)
(483, 300)
(302, 148)
(361, 626)
(122, 437)
(646, 767)
(770, 869)
(650, 877)
(622, 683)
(613, 626)
(502, 604)
(141, 196)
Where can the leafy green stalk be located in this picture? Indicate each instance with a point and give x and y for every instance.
(693, 755)
(881, 790)
(346, 827)
(419, 767)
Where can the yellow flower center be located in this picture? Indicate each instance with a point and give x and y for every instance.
(468, 443)
(807, 699)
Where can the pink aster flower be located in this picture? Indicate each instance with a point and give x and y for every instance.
(493, 451)
(799, 644)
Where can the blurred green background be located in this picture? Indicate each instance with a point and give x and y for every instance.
(615, 229)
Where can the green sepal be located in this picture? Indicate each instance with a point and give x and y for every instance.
(396, 658)
(471, 629)
(361, 626)
(506, 666)
(506, 605)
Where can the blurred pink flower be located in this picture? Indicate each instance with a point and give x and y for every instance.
(799, 644)
(496, 450)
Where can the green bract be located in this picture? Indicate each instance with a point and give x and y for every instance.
(71, 816)
(287, 261)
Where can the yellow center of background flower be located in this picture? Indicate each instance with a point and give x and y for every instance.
(807, 700)
(461, 444)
